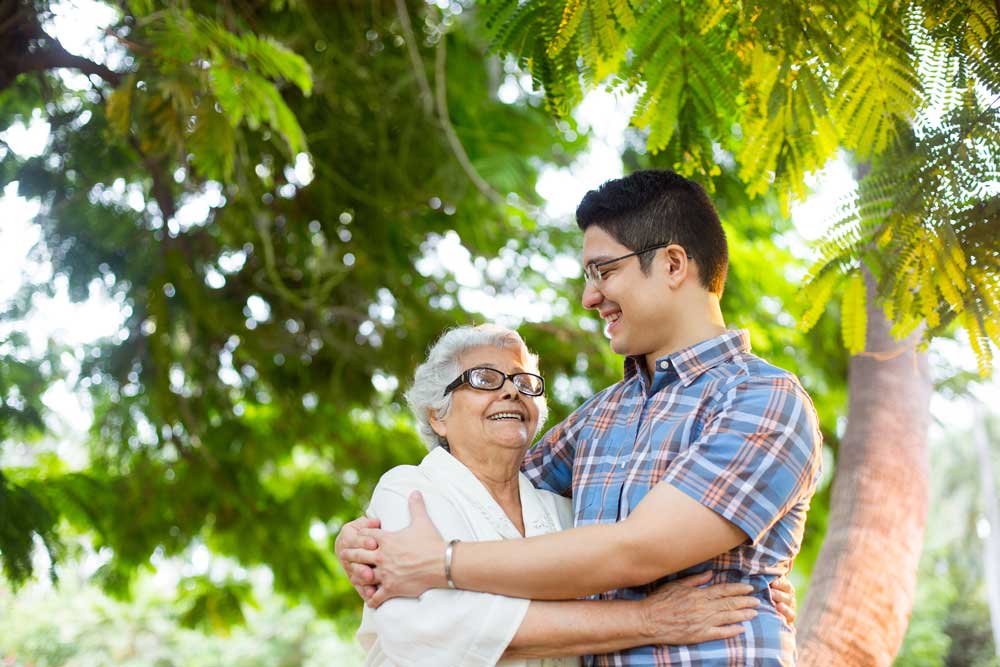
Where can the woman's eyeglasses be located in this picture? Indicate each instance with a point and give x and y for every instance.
(490, 379)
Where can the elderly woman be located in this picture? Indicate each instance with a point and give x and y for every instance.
(479, 402)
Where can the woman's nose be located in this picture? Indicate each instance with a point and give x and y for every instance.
(507, 389)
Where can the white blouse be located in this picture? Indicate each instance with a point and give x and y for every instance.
(445, 627)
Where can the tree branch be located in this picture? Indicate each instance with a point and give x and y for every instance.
(440, 100)
(426, 96)
(28, 48)
(55, 56)
(440, 80)
(162, 193)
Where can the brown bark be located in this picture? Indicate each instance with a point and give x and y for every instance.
(25, 47)
(863, 582)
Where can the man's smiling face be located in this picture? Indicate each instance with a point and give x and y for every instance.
(633, 305)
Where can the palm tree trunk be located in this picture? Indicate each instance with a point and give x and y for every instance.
(859, 600)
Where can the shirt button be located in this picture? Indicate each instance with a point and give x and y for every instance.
(664, 365)
(622, 465)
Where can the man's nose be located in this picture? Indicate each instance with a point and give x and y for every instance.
(591, 297)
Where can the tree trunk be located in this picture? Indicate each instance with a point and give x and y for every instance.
(862, 589)
(991, 510)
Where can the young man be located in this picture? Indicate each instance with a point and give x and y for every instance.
(704, 457)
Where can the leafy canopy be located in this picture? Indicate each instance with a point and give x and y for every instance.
(909, 88)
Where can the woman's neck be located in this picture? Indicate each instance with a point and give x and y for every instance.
(497, 470)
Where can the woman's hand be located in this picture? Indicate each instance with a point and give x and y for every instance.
(681, 613)
(406, 563)
(783, 596)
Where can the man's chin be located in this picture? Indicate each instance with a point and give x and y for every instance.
(619, 346)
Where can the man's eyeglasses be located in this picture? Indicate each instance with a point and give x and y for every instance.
(592, 271)
(489, 379)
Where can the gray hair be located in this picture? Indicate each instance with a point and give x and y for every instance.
(443, 365)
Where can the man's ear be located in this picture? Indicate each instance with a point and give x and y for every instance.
(677, 264)
(439, 426)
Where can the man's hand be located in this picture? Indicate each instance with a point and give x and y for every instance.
(783, 596)
(406, 563)
(362, 576)
(681, 613)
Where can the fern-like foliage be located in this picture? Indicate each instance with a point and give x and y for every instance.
(908, 87)
(195, 53)
(567, 45)
(927, 219)
(878, 91)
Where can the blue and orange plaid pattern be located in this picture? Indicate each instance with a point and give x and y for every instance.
(728, 429)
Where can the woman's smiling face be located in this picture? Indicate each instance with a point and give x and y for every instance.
(501, 417)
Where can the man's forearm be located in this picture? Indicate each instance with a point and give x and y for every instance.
(578, 627)
(572, 564)
(667, 532)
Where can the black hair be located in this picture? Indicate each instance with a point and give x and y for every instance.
(650, 207)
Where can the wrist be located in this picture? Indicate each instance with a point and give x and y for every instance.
(641, 612)
(436, 567)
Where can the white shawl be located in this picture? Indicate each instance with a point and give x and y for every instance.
(446, 627)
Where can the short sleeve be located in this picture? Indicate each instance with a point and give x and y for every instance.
(441, 627)
(757, 455)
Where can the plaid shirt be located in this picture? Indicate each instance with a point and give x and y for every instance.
(728, 429)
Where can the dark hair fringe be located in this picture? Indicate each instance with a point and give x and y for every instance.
(656, 206)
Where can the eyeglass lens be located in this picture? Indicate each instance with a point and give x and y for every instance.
(488, 378)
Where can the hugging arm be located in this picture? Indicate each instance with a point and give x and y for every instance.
(757, 455)
(484, 628)
(679, 612)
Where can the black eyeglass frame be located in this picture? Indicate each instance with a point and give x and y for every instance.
(464, 378)
(592, 274)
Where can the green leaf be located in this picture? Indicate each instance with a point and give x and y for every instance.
(853, 314)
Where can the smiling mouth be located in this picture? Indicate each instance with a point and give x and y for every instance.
(501, 416)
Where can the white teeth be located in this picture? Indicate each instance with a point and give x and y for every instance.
(614, 317)
(506, 415)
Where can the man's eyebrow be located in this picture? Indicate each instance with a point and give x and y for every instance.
(597, 259)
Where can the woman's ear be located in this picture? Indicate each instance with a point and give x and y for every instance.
(438, 425)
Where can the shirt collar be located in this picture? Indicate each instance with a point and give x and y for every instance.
(690, 362)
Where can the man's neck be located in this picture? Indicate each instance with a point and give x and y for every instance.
(699, 324)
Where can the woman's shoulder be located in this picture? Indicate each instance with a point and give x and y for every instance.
(390, 501)
(404, 480)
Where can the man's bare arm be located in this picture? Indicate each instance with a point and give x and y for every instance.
(667, 532)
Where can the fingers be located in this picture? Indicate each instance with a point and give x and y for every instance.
(364, 556)
(782, 584)
(737, 603)
(725, 632)
(352, 537)
(781, 597)
(786, 611)
(370, 537)
(729, 590)
(695, 579)
(377, 598)
(727, 624)
(361, 575)
(737, 616)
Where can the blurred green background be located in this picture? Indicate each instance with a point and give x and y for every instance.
(231, 230)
